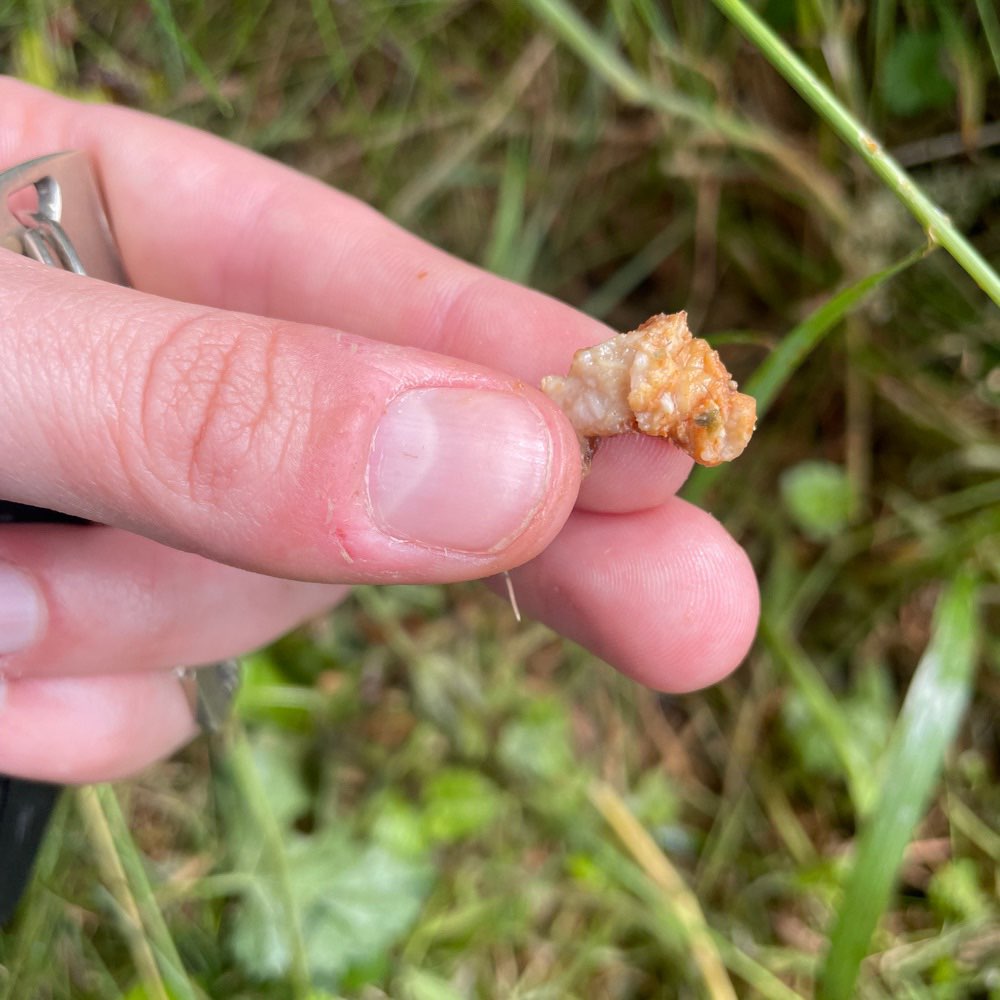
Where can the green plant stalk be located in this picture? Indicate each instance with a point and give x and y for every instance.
(326, 24)
(764, 983)
(882, 25)
(779, 366)
(121, 871)
(815, 582)
(168, 958)
(491, 116)
(936, 223)
(932, 712)
(244, 771)
(633, 88)
(824, 708)
(675, 893)
(179, 51)
(972, 827)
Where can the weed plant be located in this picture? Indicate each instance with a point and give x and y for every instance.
(421, 798)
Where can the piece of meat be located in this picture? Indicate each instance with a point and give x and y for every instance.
(657, 380)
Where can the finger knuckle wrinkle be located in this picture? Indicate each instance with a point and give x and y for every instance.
(218, 416)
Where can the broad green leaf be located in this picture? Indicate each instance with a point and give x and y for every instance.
(536, 744)
(459, 803)
(278, 762)
(399, 826)
(258, 938)
(819, 497)
(912, 77)
(353, 904)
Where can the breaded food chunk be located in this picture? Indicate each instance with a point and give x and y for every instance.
(658, 380)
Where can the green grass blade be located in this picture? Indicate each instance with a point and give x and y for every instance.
(609, 65)
(504, 253)
(779, 366)
(634, 271)
(768, 380)
(824, 708)
(937, 224)
(257, 803)
(763, 982)
(122, 869)
(683, 903)
(326, 24)
(926, 726)
(881, 29)
(991, 29)
(494, 112)
(180, 51)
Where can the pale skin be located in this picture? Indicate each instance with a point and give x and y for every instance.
(226, 420)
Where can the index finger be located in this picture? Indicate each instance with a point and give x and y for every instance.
(201, 220)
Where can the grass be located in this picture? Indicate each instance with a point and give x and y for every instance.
(927, 725)
(421, 798)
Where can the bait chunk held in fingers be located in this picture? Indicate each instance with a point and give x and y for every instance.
(657, 380)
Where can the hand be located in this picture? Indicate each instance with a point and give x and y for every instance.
(232, 454)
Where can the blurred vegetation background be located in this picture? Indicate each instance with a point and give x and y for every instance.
(423, 799)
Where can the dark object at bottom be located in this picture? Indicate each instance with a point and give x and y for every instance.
(25, 807)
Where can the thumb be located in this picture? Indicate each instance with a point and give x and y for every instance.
(287, 449)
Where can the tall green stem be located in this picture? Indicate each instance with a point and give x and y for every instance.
(940, 228)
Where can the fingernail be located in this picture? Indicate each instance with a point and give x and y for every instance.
(20, 610)
(458, 468)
